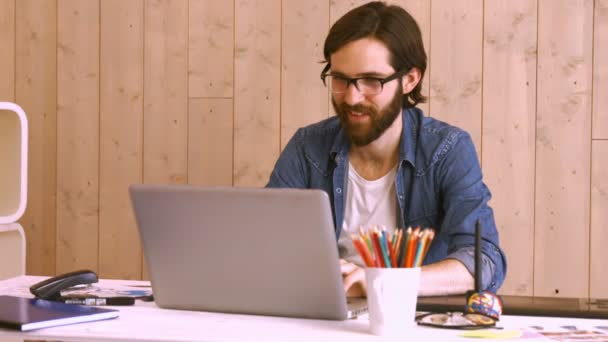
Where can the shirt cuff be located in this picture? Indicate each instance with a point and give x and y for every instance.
(466, 256)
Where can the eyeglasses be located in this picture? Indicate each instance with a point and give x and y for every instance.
(365, 85)
(456, 320)
(483, 310)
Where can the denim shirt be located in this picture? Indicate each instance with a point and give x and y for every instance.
(438, 184)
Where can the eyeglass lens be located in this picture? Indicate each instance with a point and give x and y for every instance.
(366, 86)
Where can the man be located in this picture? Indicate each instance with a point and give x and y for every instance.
(383, 162)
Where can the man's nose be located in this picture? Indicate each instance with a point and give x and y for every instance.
(352, 96)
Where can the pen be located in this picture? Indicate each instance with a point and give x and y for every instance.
(478, 256)
(99, 300)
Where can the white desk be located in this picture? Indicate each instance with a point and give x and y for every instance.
(147, 322)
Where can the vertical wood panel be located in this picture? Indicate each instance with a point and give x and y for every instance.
(599, 220)
(455, 81)
(36, 92)
(211, 51)
(257, 83)
(563, 148)
(600, 70)
(303, 34)
(509, 105)
(77, 135)
(7, 50)
(166, 92)
(271, 37)
(120, 135)
(210, 142)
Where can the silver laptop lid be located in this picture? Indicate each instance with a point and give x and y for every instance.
(241, 250)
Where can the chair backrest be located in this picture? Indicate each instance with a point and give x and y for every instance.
(13, 182)
(12, 250)
(13, 162)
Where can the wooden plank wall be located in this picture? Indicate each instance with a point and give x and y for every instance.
(36, 92)
(508, 130)
(209, 92)
(77, 135)
(563, 117)
(599, 158)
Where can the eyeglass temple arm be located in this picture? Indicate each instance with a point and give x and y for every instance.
(325, 69)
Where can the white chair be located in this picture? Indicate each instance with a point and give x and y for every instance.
(12, 250)
(13, 188)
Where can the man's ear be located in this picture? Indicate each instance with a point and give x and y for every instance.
(410, 80)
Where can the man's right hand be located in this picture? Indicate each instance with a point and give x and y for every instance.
(353, 278)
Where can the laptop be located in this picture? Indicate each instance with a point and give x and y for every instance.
(242, 250)
(526, 306)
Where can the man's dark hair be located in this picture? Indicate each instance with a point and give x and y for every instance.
(391, 25)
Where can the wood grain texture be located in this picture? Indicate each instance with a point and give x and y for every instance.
(211, 48)
(77, 135)
(338, 8)
(563, 148)
(238, 118)
(257, 102)
(304, 27)
(599, 220)
(7, 50)
(36, 93)
(509, 111)
(600, 70)
(121, 126)
(456, 64)
(166, 92)
(165, 122)
(210, 142)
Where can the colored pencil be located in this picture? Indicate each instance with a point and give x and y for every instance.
(366, 238)
(411, 247)
(384, 249)
(420, 248)
(402, 248)
(363, 251)
(428, 243)
(377, 249)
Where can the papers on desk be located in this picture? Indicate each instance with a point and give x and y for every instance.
(101, 291)
(565, 335)
(28, 313)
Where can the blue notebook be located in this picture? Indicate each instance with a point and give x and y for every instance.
(27, 313)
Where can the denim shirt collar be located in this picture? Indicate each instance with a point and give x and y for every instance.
(339, 148)
(409, 137)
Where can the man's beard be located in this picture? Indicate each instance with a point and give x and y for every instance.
(361, 134)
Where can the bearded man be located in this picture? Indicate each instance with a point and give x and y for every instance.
(384, 163)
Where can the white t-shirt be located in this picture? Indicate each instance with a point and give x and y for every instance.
(368, 204)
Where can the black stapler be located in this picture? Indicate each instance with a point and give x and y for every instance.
(50, 289)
